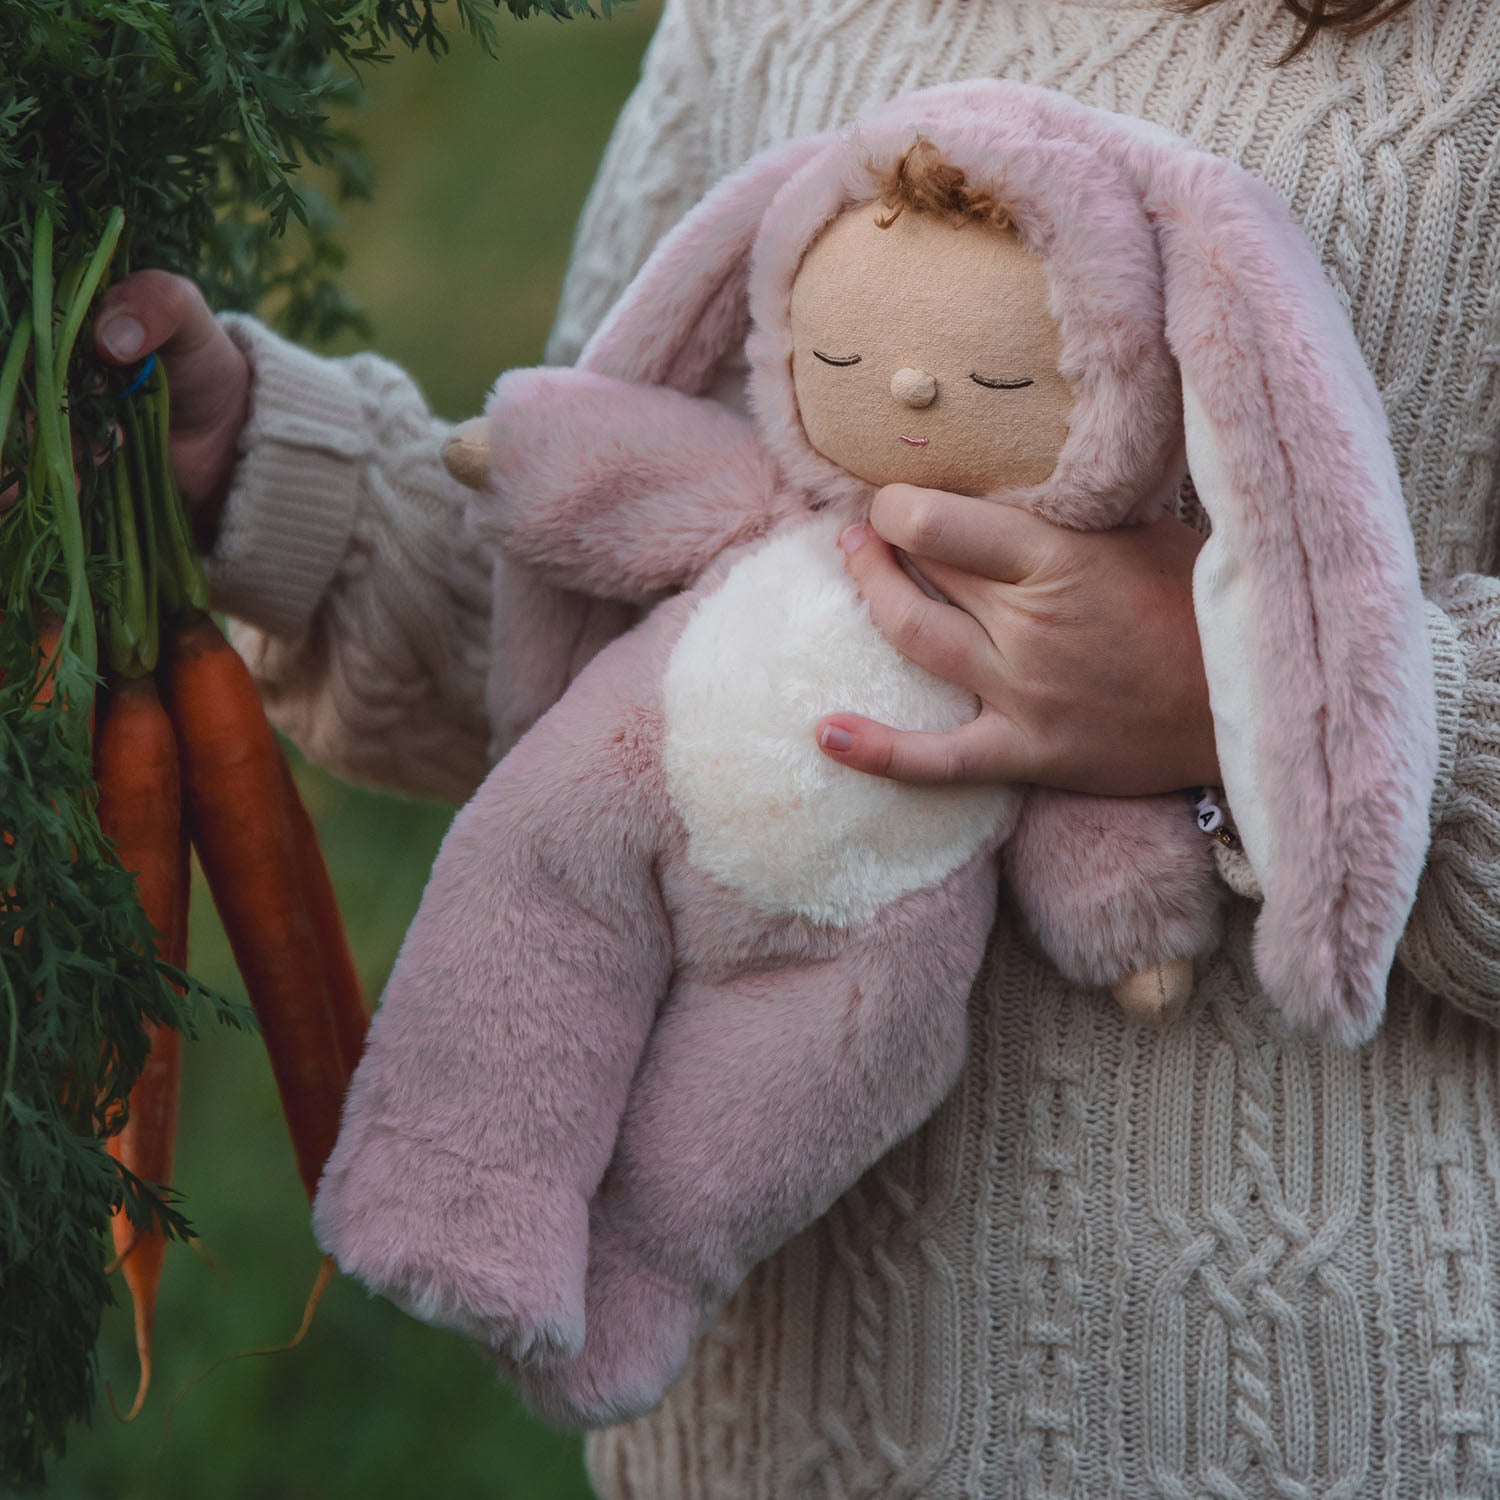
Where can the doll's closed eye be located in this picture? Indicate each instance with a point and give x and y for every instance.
(999, 385)
(837, 359)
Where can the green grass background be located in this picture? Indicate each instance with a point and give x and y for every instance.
(481, 167)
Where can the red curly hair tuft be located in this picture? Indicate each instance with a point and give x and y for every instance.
(1352, 16)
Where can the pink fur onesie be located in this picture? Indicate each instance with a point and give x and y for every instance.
(678, 978)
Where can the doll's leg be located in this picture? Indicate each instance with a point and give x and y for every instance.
(1119, 892)
(762, 1096)
(485, 1109)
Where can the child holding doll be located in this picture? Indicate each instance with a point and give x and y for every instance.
(1209, 1258)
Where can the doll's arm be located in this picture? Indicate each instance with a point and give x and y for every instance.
(616, 489)
(1118, 891)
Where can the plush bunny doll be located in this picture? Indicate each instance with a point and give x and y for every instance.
(678, 978)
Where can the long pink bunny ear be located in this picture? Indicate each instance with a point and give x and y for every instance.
(1307, 593)
(687, 308)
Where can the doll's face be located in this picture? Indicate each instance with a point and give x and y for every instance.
(925, 354)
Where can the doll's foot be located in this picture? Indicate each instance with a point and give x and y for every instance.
(641, 1328)
(533, 1262)
(498, 1259)
(522, 1299)
(1154, 996)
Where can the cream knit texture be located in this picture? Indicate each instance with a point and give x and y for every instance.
(1211, 1261)
(377, 671)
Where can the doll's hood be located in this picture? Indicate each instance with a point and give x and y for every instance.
(722, 281)
(1073, 207)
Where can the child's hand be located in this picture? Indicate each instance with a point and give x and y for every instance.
(209, 379)
(1081, 647)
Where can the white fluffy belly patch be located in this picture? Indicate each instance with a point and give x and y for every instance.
(784, 640)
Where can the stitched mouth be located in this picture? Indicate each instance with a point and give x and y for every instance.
(915, 442)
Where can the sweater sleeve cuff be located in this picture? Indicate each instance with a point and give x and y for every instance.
(1450, 677)
(291, 505)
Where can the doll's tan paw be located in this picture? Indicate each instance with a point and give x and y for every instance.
(466, 454)
(1156, 995)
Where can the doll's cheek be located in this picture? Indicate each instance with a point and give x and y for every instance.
(843, 422)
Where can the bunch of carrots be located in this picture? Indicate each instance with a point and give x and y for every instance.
(131, 731)
(184, 755)
(167, 133)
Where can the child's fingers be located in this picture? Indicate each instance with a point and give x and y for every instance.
(155, 311)
(983, 751)
(944, 640)
(999, 542)
(151, 310)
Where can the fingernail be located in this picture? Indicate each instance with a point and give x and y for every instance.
(834, 738)
(853, 538)
(122, 336)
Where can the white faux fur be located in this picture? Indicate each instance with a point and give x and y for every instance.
(785, 640)
(1225, 606)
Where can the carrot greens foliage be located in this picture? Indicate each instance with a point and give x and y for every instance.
(132, 133)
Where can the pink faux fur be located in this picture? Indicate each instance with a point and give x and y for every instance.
(1075, 866)
(621, 490)
(600, 1085)
(573, 990)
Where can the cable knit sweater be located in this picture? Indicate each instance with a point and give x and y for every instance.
(1207, 1261)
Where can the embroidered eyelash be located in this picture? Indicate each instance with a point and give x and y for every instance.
(835, 359)
(1000, 385)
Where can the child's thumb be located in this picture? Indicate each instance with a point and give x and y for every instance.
(151, 310)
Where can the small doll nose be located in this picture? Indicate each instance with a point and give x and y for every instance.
(914, 387)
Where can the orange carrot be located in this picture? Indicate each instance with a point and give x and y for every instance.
(146, 1147)
(351, 1016)
(140, 809)
(246, 841)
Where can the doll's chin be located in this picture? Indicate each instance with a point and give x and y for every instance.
(924, 473)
